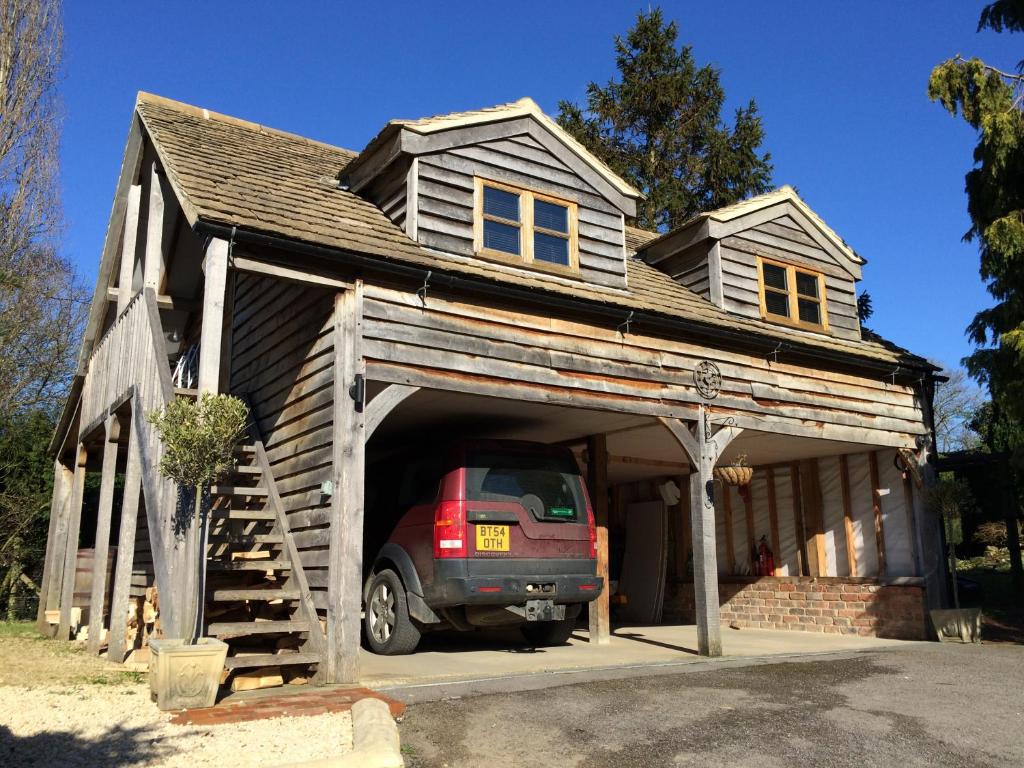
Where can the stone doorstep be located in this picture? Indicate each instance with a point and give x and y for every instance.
(306, 704)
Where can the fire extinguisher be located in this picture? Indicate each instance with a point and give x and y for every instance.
(765, 559)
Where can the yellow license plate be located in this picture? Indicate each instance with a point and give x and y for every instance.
(492, 538)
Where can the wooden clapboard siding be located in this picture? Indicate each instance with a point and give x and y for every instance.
(510, 352)
(781, 239)
(389, 191)
(142, 561)
(282, 361)
(444, 198)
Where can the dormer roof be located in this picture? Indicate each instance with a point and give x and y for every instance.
(432, 134)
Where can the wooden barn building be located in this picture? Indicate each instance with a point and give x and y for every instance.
(360, 301)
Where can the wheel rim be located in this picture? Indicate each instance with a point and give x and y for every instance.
(382, 613)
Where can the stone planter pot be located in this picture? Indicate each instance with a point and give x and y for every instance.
(734, 474)
(183, 676)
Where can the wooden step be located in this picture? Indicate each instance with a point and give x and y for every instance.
(246, 469)
(239, 628)
(271, 660)
(237, 490)
(246, 539)
(249, 565)
(253, 593)
(243, 514)
(185, 392)
(245, 448)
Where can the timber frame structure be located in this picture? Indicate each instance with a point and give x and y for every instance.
(338, 293)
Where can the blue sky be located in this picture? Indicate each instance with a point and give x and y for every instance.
(841, 87)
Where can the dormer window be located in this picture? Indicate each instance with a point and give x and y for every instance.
(792, 295)
(520, 225)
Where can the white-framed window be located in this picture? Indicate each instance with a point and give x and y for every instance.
(518, 225)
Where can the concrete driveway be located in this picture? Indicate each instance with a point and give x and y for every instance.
(913, 705)
(453, 656)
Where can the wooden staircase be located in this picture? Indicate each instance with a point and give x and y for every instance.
(257, 597)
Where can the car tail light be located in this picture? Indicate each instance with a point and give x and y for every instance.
(450, 530)
(592, 532)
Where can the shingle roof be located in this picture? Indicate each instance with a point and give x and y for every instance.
(236, 173)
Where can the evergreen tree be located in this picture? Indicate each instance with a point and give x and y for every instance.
(660, 127)
(990, 101)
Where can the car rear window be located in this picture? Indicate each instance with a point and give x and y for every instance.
(515, 476)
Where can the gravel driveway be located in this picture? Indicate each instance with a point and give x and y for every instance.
(61, 707)
(921, 705)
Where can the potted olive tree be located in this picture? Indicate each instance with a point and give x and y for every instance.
(199, 438)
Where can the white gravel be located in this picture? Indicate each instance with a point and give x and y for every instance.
(114, 725)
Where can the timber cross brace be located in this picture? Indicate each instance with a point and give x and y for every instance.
(704, 447)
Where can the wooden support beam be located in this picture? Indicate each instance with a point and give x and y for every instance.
(56, 542)
(798, 520)
(104, 511)
(116, 646)
(908, 510)
(129, 237)
(851, 546)
(773, 515)
(748, 510)
(683, 553)
(74, 520)
(215, 267)
(597, 487)
(876, 503)
(384, 403)
(730, 544)
(345, 565)
(814, 519)
(153, 264)
(704, 450)
(648, 462)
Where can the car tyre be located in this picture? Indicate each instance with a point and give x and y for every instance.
(547, 633)
(389, 630)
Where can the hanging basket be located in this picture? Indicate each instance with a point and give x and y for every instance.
(734, 474)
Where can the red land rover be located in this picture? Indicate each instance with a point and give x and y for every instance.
(491, 533)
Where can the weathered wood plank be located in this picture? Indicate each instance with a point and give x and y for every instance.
(104, 511)
(851, 546)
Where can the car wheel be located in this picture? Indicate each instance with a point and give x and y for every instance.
(545, 633)
(389, 630)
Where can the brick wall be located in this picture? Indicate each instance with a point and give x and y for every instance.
(814, 604)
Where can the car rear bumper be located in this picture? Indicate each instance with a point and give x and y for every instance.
(508, 581)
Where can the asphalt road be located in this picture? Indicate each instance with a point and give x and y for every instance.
(920, 705)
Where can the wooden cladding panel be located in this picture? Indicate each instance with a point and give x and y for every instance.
(531, 352)
(283, 354)
(445, 201)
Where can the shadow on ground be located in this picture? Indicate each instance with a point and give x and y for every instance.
(117, 746)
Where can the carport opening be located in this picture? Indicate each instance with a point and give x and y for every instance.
(815, 522)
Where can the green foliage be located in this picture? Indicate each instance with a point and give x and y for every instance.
(26, 483)
(659, 127)
(990, 102)
(199, 437)
(864, 308)
(951, 499)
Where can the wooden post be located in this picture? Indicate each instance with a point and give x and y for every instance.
(876, 503)
(773, 515)
(56, 541)
(851, 547)
(683, 550)
(597, 487)
(798, 520)
(74, 519)
(345, 558)
(128, 240)
(215, 267)
(730, 544)
(102, 546)
(814, 519)
(703, 450)
(908, 509)
(116, 649)
(751, 544)
(153, 266)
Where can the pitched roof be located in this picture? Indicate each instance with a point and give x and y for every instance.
(783, 194)
(524, 107)
(239, 174)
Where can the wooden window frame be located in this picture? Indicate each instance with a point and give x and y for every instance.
(526, 228)
(792, 295)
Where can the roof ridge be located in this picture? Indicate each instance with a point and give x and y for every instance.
(144, 97)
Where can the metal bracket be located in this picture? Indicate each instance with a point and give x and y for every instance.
(892, 375)
(357, 391)
(774, 354)
(625, 324)
(422, 292)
